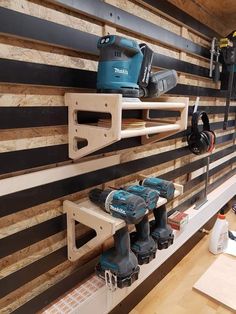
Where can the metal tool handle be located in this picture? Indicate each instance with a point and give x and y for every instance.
(228, 98)
(212, 51)
(216, 76)
(196, 104)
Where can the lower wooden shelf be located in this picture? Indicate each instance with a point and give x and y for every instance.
(94, 217)
(93, 295)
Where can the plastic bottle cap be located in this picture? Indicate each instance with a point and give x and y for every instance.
(221, 216)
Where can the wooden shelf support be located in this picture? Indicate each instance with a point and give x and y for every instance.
(92, 216)
(88, 138)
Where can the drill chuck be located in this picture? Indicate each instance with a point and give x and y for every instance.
(165, 188)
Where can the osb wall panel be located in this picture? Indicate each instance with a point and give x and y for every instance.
(32, 225)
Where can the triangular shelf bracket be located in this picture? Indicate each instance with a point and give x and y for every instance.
(94, 137)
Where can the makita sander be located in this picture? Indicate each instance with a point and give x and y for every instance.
(125, 68)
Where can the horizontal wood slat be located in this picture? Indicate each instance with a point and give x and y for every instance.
(28, 117)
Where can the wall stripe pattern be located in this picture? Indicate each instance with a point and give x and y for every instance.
(34, 268)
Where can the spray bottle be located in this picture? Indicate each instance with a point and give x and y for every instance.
(219, 236)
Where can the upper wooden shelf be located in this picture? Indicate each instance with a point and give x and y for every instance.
(85, 139)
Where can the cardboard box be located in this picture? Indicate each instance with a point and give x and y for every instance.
(177, 220)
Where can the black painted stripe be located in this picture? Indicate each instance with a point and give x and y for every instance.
(33, 28)
(67, 283)
(189, 90)
(31, 158)
(28, 117)
(26, 159)
(22, 117)
(27, 237)
(25, 26)
(35, 269)
(122, 19)
(74, 39)
(166, 62)
(49, 75)
(189, 185)
(180, 15)
(195, 165)
(41, 74)
(225, 138)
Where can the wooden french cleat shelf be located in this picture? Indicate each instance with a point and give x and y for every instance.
(94, 217)
(96, 137)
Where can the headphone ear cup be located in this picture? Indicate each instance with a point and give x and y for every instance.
(205, 142)
(213, 140)
(196, 144)
(208, 138)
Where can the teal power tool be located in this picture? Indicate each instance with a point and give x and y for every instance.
(160, 230)
(142, 244)
(125, 68)
(119, 66)
(119, 265)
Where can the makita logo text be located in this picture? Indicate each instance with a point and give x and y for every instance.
(121, 71)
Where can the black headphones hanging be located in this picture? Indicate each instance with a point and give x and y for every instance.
(200, 142)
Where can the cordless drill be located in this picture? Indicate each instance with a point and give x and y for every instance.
(160, 230)
(142, 244)
(119, 261)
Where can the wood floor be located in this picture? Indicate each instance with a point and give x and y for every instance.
(174, 294)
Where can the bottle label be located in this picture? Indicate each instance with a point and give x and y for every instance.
(222, 239)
